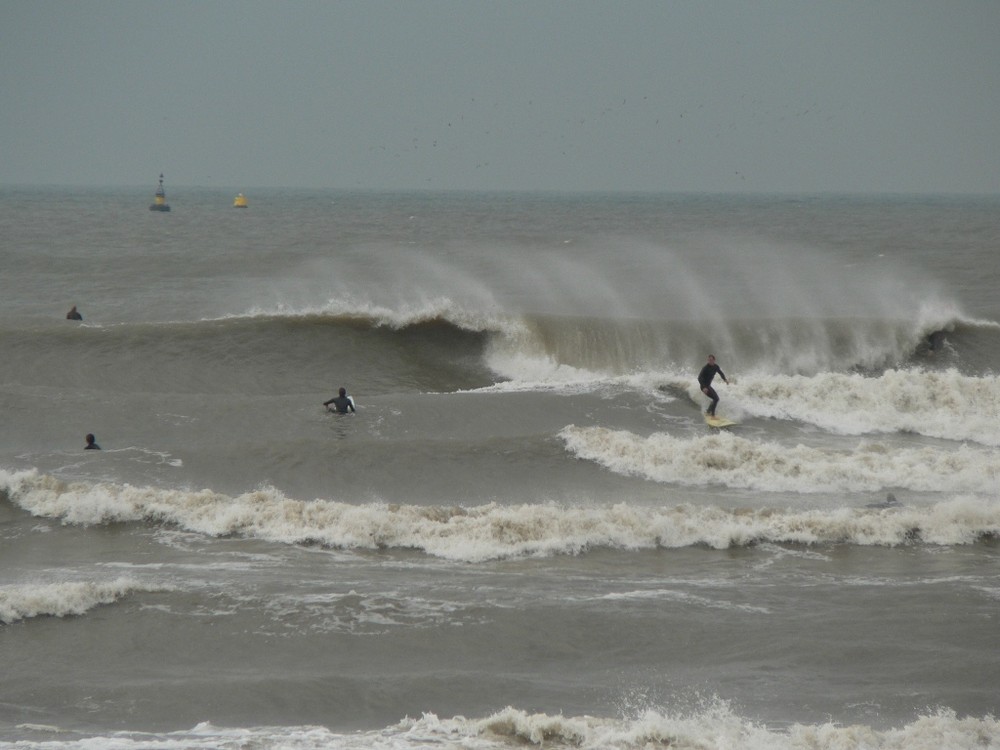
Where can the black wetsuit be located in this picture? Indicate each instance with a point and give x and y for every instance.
(708, 372)
(342, 404)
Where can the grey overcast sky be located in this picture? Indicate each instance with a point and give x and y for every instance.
(620, 95)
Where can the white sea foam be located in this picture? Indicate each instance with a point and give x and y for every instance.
(682, 596)
(25, 601)
(717, 725)
(496, 531)
(725, 458)
(540, 372)
(357, 613)
(944, 404)
(713, 723)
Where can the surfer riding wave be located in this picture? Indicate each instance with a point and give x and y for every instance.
(708, 372)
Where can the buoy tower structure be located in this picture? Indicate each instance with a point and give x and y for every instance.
(159, 198)
(240, 201)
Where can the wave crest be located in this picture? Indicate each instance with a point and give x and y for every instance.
(725, 459)
(941, 404)
(493, 531)
(713, 723)
(62, 599)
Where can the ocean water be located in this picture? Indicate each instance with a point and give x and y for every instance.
(526, 535)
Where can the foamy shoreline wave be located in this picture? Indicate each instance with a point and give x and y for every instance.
(495, 531)
(723, 458)
(713, 724)
(26, 601)
(941, 404)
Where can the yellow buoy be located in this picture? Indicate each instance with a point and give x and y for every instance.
(240, 201)
(160, 199)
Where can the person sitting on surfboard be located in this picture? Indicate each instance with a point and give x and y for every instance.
(342, 402)
(708, 372)
(74, 314)
(91, 443)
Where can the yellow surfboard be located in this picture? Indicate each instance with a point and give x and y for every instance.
(718, 421)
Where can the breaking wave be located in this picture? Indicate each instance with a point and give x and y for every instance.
(494, 531)
(713, 723)
(25, 601)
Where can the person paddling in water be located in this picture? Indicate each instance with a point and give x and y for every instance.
(342, 403)
(708, 372)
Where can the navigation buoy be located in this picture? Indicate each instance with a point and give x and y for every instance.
(160, 198)
(240, 201)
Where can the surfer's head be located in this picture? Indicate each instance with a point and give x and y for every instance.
(342, 392)
(711, 359)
